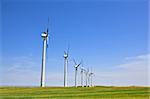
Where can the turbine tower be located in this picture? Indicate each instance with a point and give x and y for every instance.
(76, 70)
(66, 54)
(44, 35)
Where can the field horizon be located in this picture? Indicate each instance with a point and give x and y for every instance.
(96, 92)
(77, 86)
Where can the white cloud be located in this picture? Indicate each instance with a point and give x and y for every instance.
(133, 72)
(19, 71)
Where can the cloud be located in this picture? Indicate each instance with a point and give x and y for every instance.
(138, 58)
(134, 71)
(20, 70)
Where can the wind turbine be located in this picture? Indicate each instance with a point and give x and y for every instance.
(76, 69)
(44, 35)
(86, 74)
(82, 73)
(66, 54)
(90, 78)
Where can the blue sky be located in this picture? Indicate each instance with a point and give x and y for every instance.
(105, 34)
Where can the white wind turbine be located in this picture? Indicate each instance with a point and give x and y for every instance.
(82, 74)
(87, 74)
(45, 37)
(91, 78)
(76, 70)
(66, 54)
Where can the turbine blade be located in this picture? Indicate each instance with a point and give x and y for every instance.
(80, 62)
(65, 52)
(74, 62)
(47, 41)
(48, 25)
(68, 49)
(78, 65)
(47, 30)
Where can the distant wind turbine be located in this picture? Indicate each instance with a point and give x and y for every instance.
(66, 54)
(82, 74)
(76, 70)
(91, 78)
(87, 74)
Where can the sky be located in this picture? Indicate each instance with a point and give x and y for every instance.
(110, 36)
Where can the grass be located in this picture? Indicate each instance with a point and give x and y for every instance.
(99, 92)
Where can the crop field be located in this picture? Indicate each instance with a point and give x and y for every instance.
(100, 92)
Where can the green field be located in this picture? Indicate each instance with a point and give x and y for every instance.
(100, 92)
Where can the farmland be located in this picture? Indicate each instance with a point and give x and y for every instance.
(99, 92)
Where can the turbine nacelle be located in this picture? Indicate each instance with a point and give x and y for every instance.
(76, 65)
(65, 55)
(83, 69)
(44, 34)
(90, 74)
